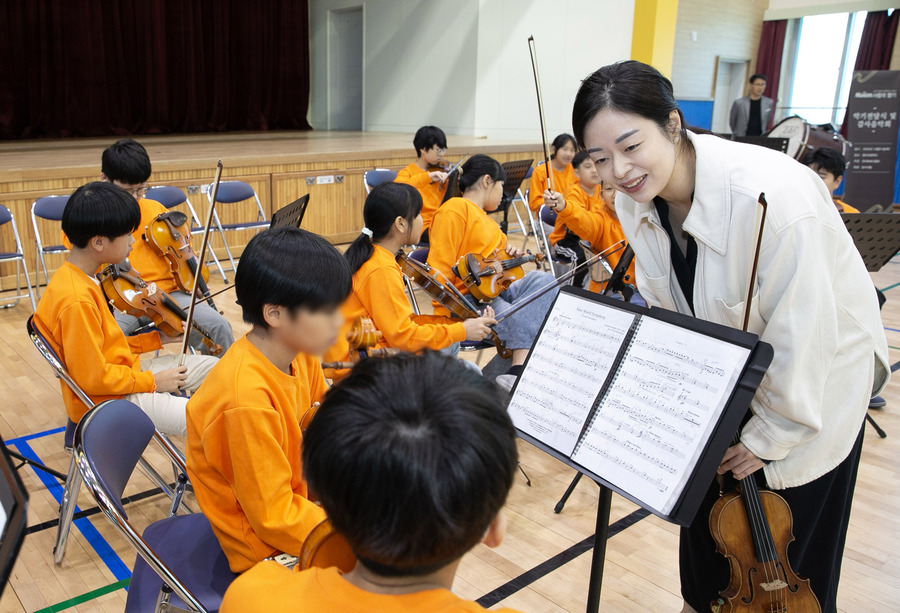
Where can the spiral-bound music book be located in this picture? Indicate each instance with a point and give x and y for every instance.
(643, 400)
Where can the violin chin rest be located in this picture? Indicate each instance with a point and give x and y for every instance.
(176, 217)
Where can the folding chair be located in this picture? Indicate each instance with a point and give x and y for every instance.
(233, 192)
(17, 256)
(178, 554)
(377, 176)
(49, 208)
(546, 216)
(170, 197)
(73, 478)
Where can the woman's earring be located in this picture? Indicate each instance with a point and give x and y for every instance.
(677, 140)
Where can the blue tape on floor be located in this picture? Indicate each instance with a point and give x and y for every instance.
(31, 437)
(87, 529)
(892, 329)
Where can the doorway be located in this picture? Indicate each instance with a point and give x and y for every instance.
(345, 69)
(731, 76)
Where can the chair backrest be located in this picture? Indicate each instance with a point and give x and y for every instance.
(5, 215)
(166, 195)
(232, 191)
(548, 215)
(419, 255)
(378, 176)
(110, 439)
(49, 207)
(58, 366)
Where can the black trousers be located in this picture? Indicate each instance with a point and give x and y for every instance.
(821, 511)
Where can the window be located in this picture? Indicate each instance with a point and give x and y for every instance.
(823, 66)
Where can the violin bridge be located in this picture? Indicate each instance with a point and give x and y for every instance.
(771, 586)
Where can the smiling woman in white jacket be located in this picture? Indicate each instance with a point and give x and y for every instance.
(688, 207)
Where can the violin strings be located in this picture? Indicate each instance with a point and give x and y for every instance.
(757, 515)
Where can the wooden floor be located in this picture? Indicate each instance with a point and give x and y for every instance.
(641, 569)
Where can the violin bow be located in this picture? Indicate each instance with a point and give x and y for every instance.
(760, 224)
(201, 257)
(540, 103)
(540, 292)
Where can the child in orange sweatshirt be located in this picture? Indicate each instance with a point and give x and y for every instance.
(392, 214)
(75, 316)
(562, 150)
(412, 457)
(243, 434)
(586, 193)
(431, 145)
(462, 226)
(126, 163)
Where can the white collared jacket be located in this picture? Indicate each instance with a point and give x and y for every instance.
(813, 300)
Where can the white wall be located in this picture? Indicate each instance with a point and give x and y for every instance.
(465, 67)
(790, 9)
(572, 37)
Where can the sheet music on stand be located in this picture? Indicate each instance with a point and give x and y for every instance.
(644, 401)
(876, 236)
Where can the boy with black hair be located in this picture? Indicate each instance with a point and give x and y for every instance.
(830, 165)
(412, 458)
(73, 313)
(431, 144)
(244, 438)
(125, 163)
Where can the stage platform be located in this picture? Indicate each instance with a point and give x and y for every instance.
(281, 167)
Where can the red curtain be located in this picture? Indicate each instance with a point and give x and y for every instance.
(876, 45)
(877, 41)
(768, 60)
(88, 68)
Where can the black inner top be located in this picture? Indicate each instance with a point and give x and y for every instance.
(684, 264)
(754, 126)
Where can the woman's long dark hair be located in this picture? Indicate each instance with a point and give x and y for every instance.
(478, 166)
(628, 87)
(384, 204)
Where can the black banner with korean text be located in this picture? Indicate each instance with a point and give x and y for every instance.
(872, 125)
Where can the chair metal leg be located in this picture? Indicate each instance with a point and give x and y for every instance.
(28, 286)
(67, 510)
(221, 232)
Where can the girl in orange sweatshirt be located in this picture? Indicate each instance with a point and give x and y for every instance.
(462, 226)
(393, 217)
(562, 150)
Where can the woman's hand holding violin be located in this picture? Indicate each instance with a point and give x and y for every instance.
(554, 200)
(740, 461)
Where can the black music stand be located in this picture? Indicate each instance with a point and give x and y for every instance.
(877, 238)
(292, 214)
(13, 511)
(684, 511)
(515, 174)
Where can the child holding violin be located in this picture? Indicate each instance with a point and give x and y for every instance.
(587, 211)
(393, 218)
(74, 315)
(462, 226)
(562, 151)
(412, 458)
(244, 434)
(427, 173)
(125, 163)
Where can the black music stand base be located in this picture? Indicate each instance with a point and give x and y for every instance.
(599, 556)
(872, 423)
(23, 461)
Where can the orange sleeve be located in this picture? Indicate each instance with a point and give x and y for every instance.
(317, 384)
(536, 190)
(589, 225)
(446, 240)
(279, 517)
(574, 197)
(383, 296)
(143, 343)
(418, 180)
(82, 327)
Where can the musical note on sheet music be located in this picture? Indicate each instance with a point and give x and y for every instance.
(567, 368)
(667, 397)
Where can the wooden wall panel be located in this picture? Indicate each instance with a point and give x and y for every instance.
(263, 161)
